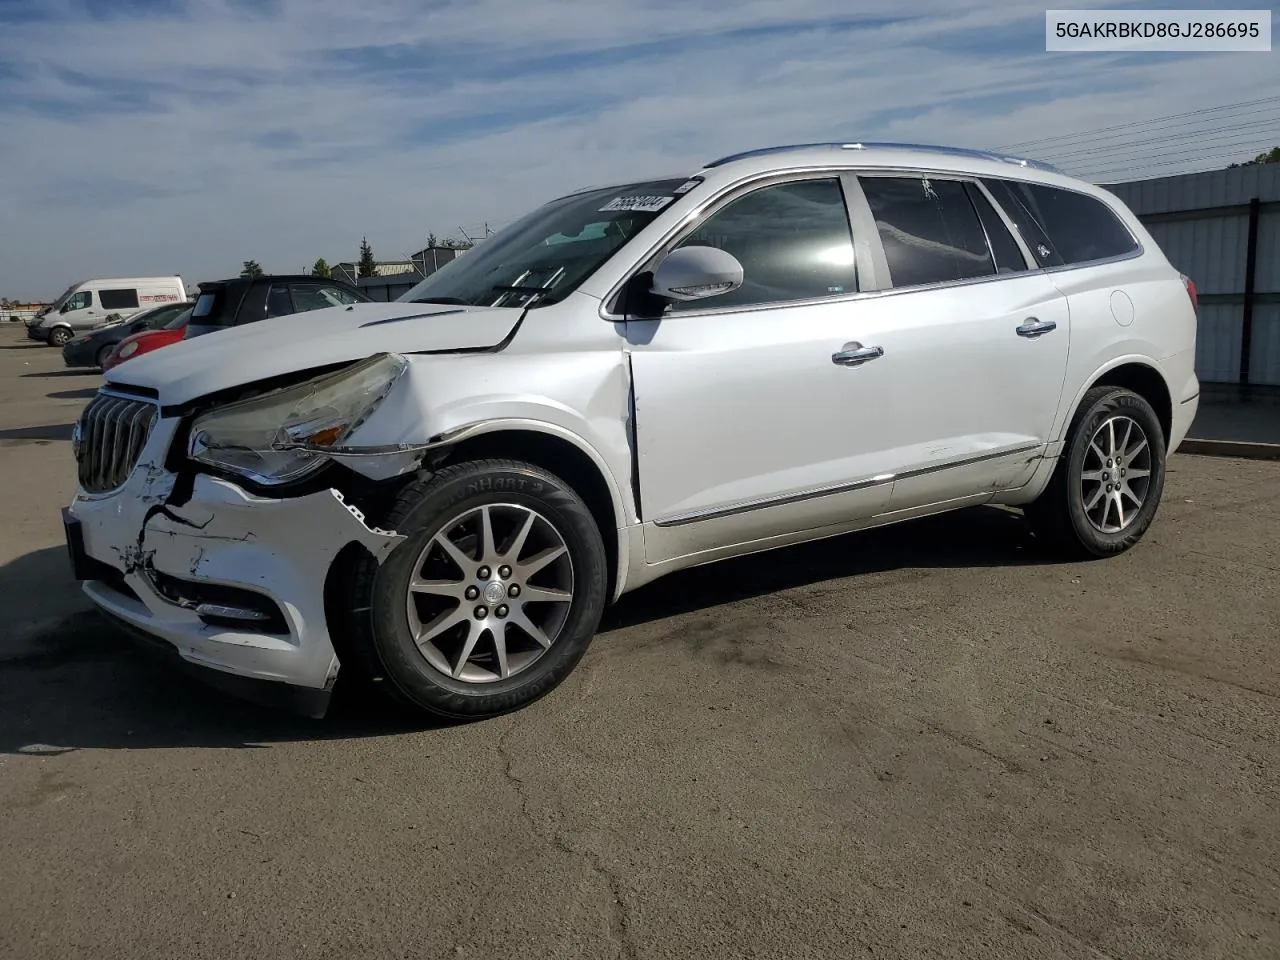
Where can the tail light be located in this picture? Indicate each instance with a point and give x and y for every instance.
(1191, 292)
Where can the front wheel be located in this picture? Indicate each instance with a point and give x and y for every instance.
(59, 336)
(1109, 480)
(493, 597)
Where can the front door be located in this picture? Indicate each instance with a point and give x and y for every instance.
(758, 416)
(80, 312)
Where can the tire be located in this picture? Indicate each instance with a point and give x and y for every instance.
(1067, 514)
(101, 359)
(434, 678)
(59, 336)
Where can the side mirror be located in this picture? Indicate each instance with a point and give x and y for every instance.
(695, 273)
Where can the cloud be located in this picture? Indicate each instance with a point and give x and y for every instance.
(162, 136)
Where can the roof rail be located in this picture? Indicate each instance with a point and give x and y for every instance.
(868, 145)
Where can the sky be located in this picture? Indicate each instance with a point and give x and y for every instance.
(151, 137)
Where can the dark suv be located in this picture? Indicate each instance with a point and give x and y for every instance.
(231, 303)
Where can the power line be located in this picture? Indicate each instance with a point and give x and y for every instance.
(1188, 155)
(1205, 135)
(1130, 127)
(1209, 164)
(1241, 139)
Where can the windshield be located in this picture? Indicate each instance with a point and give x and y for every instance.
(178, 321)
(553, 249)
(57, 304)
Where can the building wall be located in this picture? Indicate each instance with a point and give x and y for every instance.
(388, 288)
(1201, 221)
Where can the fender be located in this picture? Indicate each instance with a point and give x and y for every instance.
(1058, 435)
(623, 510)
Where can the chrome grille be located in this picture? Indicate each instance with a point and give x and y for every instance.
(109, 439)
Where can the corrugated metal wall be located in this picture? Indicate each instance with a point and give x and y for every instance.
(1201, 221)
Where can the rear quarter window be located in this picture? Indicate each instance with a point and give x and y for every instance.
(1078, 228)
(206, 304)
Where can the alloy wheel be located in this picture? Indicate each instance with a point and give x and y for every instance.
(490, 593)
(1116, 474)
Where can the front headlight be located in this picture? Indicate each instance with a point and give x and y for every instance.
(283, 435)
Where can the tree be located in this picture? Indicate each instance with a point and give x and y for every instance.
(321, 269)
(1269, 156)
(368, 266)
(432, 242)
(251, 269)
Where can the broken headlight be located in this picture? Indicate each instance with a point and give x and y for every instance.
(285, 434)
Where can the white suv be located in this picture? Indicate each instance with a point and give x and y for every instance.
(791, 344)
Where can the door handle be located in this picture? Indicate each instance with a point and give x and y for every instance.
(1034, 328)
(853, 354)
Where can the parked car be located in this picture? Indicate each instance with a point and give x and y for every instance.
(87, 304)
(91, 349)
(145, 341)
(230, 303)
(443, 493)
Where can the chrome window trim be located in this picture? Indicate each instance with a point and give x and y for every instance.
(878, 261)
(748, 506)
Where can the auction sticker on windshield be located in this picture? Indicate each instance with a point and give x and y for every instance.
(636, 204)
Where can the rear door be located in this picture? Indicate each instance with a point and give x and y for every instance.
(976, 340)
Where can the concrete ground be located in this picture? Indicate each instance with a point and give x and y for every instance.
(928, 741)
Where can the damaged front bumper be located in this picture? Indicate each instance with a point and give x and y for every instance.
(232, 581)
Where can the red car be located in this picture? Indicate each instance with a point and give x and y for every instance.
(147, 340)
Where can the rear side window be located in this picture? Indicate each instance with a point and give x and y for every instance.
(1077, 228)
(278, 302)
(930, 230)
(121, 299)
(1004, 248)
(317, 296)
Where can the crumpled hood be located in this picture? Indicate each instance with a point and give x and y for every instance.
(281, 345)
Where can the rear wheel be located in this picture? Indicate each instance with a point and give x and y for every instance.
(102, 356)
(494, 596)
(1109, 480)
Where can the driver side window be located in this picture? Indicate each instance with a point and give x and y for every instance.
(79, 301)
(792, 239)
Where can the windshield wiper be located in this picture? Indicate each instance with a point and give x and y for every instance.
(501, 288)
(452, 301)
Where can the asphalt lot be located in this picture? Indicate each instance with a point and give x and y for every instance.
(926, 741)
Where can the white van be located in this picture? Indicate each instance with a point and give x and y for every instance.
(93, 303)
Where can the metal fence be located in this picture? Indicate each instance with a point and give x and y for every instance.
(1222, 229)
